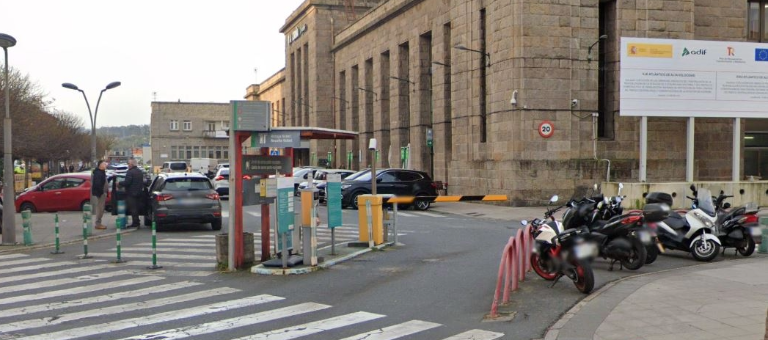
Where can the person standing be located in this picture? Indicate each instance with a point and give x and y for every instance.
(134, 186)
(99, 193)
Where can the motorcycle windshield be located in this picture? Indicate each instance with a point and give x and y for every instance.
(705, 202)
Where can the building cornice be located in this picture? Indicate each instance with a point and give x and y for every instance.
(372, 19)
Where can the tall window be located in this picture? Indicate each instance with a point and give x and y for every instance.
(218, 152)
(174, 152)
(187, 125)
(606, 86)
(483, 80)
(757, 21)
(174, 125)
(210, 126)
(189, 152)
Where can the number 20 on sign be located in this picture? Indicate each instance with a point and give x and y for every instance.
(546, 129)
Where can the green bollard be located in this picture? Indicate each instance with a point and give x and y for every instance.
(56, 232)
(763, 249)
(118, 235)
(85, 240)
(87, 212)
(26, 215)
(121, 211)
(154, 247)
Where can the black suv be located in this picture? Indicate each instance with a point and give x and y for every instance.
(398, 182)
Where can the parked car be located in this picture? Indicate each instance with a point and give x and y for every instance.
(65, 192)
(118, 168)
(398, 182)
(221, 182)
(169, 167)
(117, 193)
(183, 198)
(222, 165)
(321, 176)
(300, 175)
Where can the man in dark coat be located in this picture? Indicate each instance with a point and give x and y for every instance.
(99, 193)
(134, 187)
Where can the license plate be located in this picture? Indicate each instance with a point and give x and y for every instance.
(645, 237)
(584, 250)
(755, 231)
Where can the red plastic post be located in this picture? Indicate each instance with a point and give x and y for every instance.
(265, 221)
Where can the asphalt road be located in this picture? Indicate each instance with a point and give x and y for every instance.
(439, 284)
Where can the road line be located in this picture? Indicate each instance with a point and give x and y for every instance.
(177, 245)
(128, 307)
(396, 331)
(160, 257)
(247, 320)
(18, 262)
(294, 332)
(476, 334)
(405, 214)
(190, 241)
(12, 256)
(37, 267)
(205, 236)
(161, 251)
(53, 273)
(211, 266)
(423, 213)
(79, 290)
(59, 282)
(155, 319)
(97, 299)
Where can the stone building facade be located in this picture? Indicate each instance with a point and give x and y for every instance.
(182, 131)
(271, 90)
(482, 75)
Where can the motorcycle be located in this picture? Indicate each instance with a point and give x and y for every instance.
(737, 228)
(694, 232)
(558, 252)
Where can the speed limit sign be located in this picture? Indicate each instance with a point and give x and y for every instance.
(546, 129)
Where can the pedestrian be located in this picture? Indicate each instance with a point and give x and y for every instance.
(134, 186)
(71, 168)
(99, 192)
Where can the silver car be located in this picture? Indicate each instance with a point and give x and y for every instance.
(183, 198)
(221, 182)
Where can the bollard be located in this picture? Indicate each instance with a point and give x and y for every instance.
(87, 212)
(118, 235)
(764, 242)
(121, 211)
(56, 233)
(85, 240)
(154, 247)
(26, 215)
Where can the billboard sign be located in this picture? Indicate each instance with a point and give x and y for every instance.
(693, 78)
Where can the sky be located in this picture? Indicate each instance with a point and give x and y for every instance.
(191, 50)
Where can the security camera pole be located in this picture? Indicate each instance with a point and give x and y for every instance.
(372, 147)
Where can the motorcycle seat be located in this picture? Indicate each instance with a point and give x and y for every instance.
(676, 221)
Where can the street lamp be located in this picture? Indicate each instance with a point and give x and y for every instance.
(9, 218)
(589, 50)
(486, 54)
(92, 115)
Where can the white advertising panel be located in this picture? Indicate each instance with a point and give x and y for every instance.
(693, 78)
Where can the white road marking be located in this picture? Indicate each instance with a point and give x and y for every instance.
(159, 257)
(155, 319)
(53, 273)
(405, 214)
(12, 256)
(205, 236)
(162, 251)
(79, 290)
(37, 267)
(62, 318)
(424, 213)
(294, 332)
(247, 320)
(177, 245)
(97, 299)
(166, 265)
(18, 262)
(59, 282)
(476, 334)
(396, 331)
(189, 241)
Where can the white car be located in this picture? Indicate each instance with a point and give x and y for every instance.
(221, 182)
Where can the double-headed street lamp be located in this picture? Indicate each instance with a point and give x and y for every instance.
(92, 115)
(9, 218)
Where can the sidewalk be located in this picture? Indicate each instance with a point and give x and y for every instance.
(70, 230)
(722, 300)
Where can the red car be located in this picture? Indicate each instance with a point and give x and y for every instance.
(57, 193)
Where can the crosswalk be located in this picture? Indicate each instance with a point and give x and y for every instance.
(118, 304)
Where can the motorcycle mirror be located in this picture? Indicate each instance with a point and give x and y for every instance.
(621, 186)
(722, 192)
(594, 187)
(524, 222)
(554, 199)
(693, 187)
(726, 205)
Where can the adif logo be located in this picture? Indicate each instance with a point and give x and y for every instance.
(263, 139)
(700, 51)
(731, 51)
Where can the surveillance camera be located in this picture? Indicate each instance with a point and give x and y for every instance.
(574, 103)
(513, 100)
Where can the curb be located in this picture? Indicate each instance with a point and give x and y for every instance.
(261, 270)
(554, 331)
(50, 245)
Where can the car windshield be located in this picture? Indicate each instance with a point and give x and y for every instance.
(705, 201)
(354, 176)
(187, 184)
(224, 172)
(365, 177)
(178, 166)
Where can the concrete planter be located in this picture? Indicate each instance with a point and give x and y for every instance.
(222, 249)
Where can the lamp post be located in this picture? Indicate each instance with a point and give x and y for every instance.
(589, 50)
(92, 115)
(9, 219)
(486, 54)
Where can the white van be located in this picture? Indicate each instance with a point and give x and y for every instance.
(174, 167)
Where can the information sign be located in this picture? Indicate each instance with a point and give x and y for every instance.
(333, 197)
(266, 165)
(251, 115)
(285, 214)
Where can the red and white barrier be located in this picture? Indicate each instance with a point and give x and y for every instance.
(515, 262)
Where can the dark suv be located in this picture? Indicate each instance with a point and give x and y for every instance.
(398, 182)
(182, 198)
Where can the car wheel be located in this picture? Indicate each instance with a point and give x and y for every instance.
(421, 205)
(216, 225)
(27, 206)
(353, 200)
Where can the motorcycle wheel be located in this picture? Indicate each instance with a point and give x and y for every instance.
(540, 267)
(704, 251)
(585, 278)
(651, 254)
(637, 255)
(748, 249)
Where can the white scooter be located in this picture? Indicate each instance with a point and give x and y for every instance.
(694, 232)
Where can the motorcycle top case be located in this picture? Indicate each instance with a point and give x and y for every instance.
(658, 197)
(655, 212)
